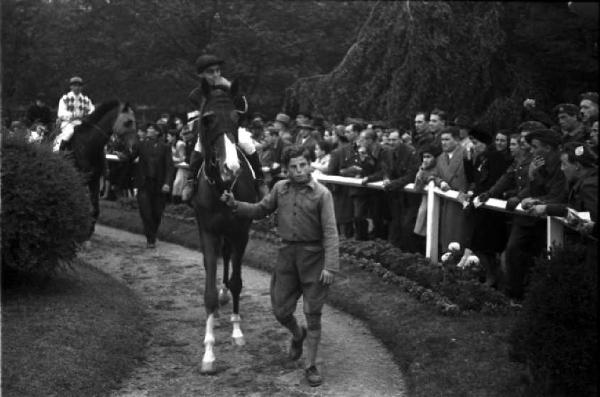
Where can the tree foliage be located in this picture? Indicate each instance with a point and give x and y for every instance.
(375, 60)
(144, 51)
(478, 58)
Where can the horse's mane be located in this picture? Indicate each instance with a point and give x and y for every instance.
(100, 112)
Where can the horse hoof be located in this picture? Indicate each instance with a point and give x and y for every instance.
(208, 368)
(239, 341)
(223, 296)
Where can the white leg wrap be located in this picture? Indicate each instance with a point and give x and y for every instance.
(208, 360)
(237, 335)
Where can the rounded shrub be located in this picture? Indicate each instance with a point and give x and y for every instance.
(556, 335)
(45, 209)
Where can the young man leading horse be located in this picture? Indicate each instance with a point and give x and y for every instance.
(208, 68)
(309, 257)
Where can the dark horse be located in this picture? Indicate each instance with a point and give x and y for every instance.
(221, 233)
(86, 146)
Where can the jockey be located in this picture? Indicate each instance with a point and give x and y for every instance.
(73, 107)
(208, 67)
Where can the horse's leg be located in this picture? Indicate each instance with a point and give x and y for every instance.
(224, 290)
(211, 303)
(94, 191)
(235, 284)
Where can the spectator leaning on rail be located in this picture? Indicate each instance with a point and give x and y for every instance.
(72, 108)
(342, 158)
(208, 68)
(309, 257)
(399, 166)
(483, 168)
(546, 186)
(580, 166)
(451, 175)
(572, 129)
(426, 173)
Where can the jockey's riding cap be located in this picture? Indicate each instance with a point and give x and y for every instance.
(76, 80)
(207, 60)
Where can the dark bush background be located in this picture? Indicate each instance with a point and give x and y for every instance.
(45, 209)
(557, 333)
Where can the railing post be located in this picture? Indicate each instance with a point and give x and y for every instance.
(433, 223)
(554, 232)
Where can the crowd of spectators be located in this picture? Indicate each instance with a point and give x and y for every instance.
(544, 165)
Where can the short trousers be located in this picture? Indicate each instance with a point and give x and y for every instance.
(297, 273)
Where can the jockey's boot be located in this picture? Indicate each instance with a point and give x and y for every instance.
(260, 185)
(64, 146)
(191, 183)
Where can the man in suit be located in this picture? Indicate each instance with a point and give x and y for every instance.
(153, 177)
(451, 173)
(305, 139)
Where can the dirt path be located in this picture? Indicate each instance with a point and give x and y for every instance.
(170, 280)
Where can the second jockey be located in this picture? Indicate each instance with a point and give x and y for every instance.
(208, 67)
(72, 107)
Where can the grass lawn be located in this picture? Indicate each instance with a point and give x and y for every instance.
(441, 356)
(77, 335)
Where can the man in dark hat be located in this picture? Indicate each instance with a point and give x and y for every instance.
(546, 185)
(464, 127)
(208, 67)
(72, 108)
(571, 127)
(39, 112)
(305, 139)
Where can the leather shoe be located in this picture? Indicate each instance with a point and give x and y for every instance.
(313, 376)
(296, 346)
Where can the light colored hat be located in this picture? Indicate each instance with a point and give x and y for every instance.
(76, 80)
(283, 118)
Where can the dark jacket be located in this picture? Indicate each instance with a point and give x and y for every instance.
(514, 180)
(549, 183)
(41, 114)
(400, 166)
(583, 197)
(155, 162)
(483, 172)
(342, 162)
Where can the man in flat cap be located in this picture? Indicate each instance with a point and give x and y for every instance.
(72, 108)
(571, 127)
(208, 68)
(546, 186)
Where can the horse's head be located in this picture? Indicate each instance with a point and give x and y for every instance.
(218, 131)
(124, 123)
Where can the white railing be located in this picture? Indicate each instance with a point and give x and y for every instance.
(554, 225)
(554, 229)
